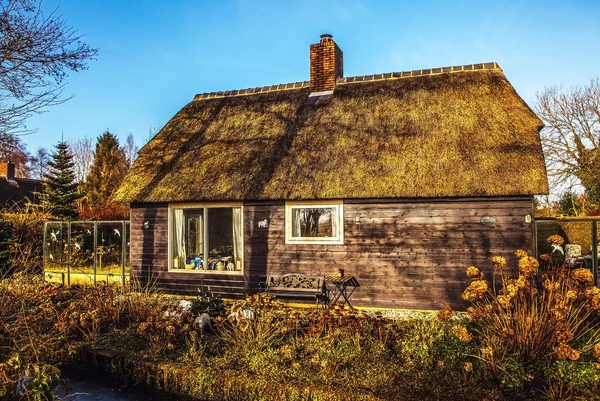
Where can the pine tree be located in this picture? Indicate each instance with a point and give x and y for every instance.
(59, 188)
(107, 171)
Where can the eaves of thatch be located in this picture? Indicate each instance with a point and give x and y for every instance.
(453, 132)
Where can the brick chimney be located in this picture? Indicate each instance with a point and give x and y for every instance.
(326, 64)
(7, 170)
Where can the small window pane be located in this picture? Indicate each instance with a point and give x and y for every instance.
(313, 222)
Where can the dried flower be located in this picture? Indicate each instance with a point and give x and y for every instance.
(550, 285)
(555, 239)
(508, 332)
(591, 291)
(574, 355)
(597, 352)
(499, 262)
(468, 367)
(445, 313)
(475, 290)
(528, 265)
(462, 333)
(571, 294)
(563, 351)
(546, 257)
(582, 275)
(521, 253)
(440, 364)
(504, 301)
(474, 273)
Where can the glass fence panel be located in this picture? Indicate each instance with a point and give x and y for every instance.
(55, 252)
(82, 253)
(109, 253)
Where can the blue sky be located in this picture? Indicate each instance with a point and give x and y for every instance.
(154, 56)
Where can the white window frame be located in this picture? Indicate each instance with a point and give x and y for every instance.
(338, 224)
(201, 206)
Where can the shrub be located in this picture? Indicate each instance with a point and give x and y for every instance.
(533, 321)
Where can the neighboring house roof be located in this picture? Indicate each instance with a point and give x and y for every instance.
(446, 132)
(18, 191)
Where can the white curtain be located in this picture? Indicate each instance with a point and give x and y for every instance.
(296, 226)
(179, 229)
(199, 234)
(238, 235)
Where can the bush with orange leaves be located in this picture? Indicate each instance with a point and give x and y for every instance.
(532, 322)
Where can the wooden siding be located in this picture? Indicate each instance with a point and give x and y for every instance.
(405, 254)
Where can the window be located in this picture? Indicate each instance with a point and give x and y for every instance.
(314, 223)
(206, 239)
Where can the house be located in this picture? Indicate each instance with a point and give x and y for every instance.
(16, 191)
(402, 179)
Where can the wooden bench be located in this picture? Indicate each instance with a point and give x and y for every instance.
(296, 285)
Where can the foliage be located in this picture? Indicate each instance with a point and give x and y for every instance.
(570, 135)
(207, 302)
(5, 244)
(107, 171)
(570, 204)
(26, 240)
(59, 188)
(532, 323)
(37, 52)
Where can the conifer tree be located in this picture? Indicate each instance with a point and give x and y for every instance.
(59, 188)
(107, 171)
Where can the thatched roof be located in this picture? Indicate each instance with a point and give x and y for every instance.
(434, 133)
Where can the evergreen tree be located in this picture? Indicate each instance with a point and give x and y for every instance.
(107, 171)
(59, 188)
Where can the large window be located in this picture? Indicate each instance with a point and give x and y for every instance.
(314, 223)
(206, 239)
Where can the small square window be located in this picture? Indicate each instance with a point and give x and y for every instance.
(314, 223)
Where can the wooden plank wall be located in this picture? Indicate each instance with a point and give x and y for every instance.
(149, 259)
(405, 254)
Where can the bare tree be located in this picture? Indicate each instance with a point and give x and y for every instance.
(36, 52)
(83, 157)
(571, 137)
(131, 150)
(40, 163)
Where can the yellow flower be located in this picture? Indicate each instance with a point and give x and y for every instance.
(597, 352)
(521, 254)
(528, 265)
(550, 285)
(445, 313)
(563, 351)
(555, 239)
(468, 367)
(504, 301)
(574, 355)
(475, 290)
(499, 262)
(474, 273)
(591, 291)
(582, 275)
(462, 333)
(571, 294)
(170, 329)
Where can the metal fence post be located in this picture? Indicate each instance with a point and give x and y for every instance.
(68, 251)
(595, 251)
(123, 251)
(95, 248)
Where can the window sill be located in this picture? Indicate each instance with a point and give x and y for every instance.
(231, 273)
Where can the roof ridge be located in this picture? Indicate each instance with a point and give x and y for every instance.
(252, 91)
(416, 73)
(345, 80)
